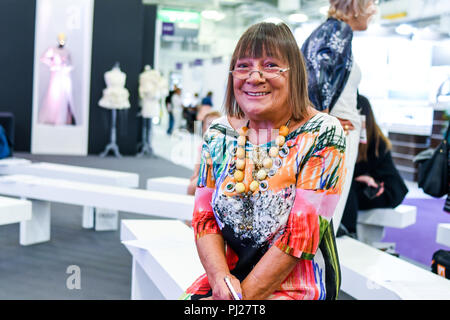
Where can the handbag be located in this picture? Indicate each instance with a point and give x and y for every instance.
(433, 172)
(441, 263)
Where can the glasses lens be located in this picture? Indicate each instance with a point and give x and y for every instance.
(268, 73)
(240, 73)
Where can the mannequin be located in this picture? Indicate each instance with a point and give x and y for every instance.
(152, 86)
(115, 97)
(57, 106)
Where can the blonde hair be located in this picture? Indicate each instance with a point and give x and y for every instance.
(274, 40)
(345, 9)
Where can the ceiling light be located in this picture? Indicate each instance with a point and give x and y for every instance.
(405, 29)
(298, 17)
(213, 15)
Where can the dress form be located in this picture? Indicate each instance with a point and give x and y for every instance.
(57, 107)
(115, 97)
(151, 88)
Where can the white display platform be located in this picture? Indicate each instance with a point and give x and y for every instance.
(103, 220)
(443, 234)
(168, 184)
(371, 274)
(14, 210)
(6, 163)
(400, 217)
(42, 191)
(75, 173)
(164, 253)
(371, 223)
(110, 197)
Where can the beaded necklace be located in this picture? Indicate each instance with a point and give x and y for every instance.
(265, 164)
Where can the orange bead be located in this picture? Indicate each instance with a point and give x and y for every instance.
(284, 131)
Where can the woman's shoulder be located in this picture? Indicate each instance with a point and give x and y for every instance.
(324, 130)
(331, 29)
(321, 122)
(219, 130)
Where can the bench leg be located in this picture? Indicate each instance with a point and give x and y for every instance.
(141, 286)
(88, 217)
(106, 219)
(369, 233)
(37, 229)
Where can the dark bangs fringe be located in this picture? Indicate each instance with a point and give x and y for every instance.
(262, 41)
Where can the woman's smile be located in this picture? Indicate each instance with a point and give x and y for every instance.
(256, 94)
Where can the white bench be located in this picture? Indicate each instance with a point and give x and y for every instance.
(105, 219)
(14, 210)
(368, 273)
(164, 255)
(5, 163)
(168, 184)
(41, 191)
(443, 234)
(371, 274)
(371, 223)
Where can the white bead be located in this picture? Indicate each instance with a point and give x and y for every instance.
(273, 152)
(240, 187)
(240, 153)
(261, 175)
(240, 164)
(280, 141)
(267, 163)
(254, 186)
(241, 141)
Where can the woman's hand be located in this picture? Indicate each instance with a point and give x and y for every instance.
(367, 180)
(380, 192)
(220, 290)
(371, 183)
(346, 124)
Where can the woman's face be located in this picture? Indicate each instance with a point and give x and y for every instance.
(258, 97)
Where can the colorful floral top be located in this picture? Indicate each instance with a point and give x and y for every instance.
(293, 213)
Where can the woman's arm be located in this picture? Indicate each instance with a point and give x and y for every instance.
(268, 274)
(193, 180)
(211, 250)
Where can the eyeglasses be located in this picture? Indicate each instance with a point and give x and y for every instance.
(267, 73)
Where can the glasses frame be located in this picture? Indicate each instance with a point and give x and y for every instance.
(261, 73)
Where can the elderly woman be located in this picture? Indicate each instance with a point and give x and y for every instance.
(333, 76)
(270, 177)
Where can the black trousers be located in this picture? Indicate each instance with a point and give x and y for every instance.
(350, 215)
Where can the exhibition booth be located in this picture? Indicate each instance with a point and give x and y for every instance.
(98, 185)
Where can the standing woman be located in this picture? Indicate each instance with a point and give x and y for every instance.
(270, 178)
(333, 76)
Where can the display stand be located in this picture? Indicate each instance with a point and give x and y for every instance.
(112, 146)
(145, 146)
